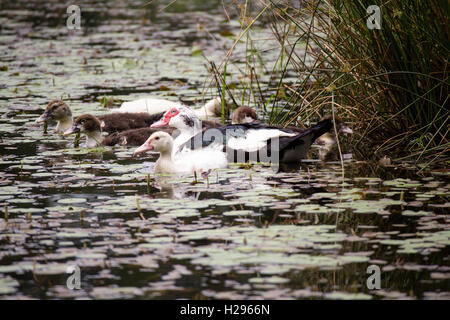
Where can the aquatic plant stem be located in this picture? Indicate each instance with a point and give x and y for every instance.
(76, 142)
(138, 206)
(148, 183)
(223, 92)
(337, 136)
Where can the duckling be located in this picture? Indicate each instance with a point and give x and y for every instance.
(113, 122)
(57, 110)
(118, 122)
(92, 128)
(328, 150)
(187, 161)
(133, 137)
(244, 114)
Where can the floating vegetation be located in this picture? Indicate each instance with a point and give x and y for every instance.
(244, 232)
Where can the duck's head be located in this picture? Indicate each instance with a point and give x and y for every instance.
(159, 141)
(55, 110)
(328, 141)
(85, 123)
(341, 127)
(244, 114)
(180, 117)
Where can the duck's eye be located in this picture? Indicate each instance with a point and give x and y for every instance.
(157, 138)
(173, 111)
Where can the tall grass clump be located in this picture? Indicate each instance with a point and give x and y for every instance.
(395, 77)
(390, 83)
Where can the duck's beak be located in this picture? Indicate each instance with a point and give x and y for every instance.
(346, 130)
(43, 117)
(143, 148)
(72, 130)
(164, 122)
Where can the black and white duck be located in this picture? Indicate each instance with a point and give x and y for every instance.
(327, 142)
(246, 141)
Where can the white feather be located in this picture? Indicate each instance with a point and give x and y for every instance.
(210, 109)
(153, 106)
(149, 105)
(248, 119)
(199, 160)
(256, 139)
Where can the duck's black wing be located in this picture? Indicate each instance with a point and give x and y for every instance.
(293, 149)
(282, 150)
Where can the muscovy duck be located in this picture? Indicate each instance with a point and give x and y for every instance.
(112, 122)
(328, 149)
(242, 142)
(156, 106)
(186, 161)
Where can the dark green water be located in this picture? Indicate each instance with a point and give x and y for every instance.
(244, 233)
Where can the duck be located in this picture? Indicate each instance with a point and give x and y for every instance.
(328, 150)
(245, 141)
(113, 122)
(244, 114)
(186, 121)
(328, 147)
(91, 126)
(57, 110)
(187, 161)
(156, 106)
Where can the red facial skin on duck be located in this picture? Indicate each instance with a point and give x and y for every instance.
(164, 122)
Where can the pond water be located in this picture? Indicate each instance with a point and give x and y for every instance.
(245, 232)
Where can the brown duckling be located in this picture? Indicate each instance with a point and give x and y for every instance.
(112, 122)
(92, 128)
(57, 110)
(329, 150)
(244, 114)
(133, 137)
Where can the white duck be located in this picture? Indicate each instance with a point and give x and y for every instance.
(186, 161)
(154, 106)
